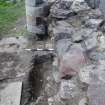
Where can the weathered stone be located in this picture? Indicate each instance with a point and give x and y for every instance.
(77, 46)
(96, 94)
(93, 23)
(79, 5)
(91, 44)
(97, 56)
(102, 26)
(80, 34)
(11, 95)
(41, 100)
(93, 3)
(62, 30)
(71, 62)
(50, 1)
(90, 14)
(100, 72)
(84, 74)
(50, 89)
(62, 9)
(96, 88)
(84, 101)
(95, 14)
(63, 46)
(92, 41)
(56, 76)
(101, 40)
(68, 89)
(85, 32)
(50, 101)
(77, 37)
(56, 100)
(56, 71)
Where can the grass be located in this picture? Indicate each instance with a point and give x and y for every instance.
(9, 13)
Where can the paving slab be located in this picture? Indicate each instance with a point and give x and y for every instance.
(11, 94)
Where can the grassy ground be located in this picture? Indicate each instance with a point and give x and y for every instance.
(9, 13)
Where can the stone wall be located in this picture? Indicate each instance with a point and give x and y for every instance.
(78, 33)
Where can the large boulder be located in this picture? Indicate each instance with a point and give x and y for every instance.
(71, 62)
(62, 9)
(62, 30)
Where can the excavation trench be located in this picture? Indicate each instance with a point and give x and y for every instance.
(35, 84)
(32, 68)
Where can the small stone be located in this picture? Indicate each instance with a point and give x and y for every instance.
(55, 100)
(79, 5)
(102, 26)
(50, 101)
(77, 37)
(56, 71)
(96, 56)
(77, 46)
(85, 32)
(40, 100)
(84, 101)
(95, 14)
(84, 74)
(56, 76)
(93, 23)
(92, 41)
(102, 43)
(68, 89)
(51, 89)
(55, 62)
(50, 1)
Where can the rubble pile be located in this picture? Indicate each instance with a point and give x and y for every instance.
(79, 41)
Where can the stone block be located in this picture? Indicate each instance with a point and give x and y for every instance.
(71, 62)
(11, 94)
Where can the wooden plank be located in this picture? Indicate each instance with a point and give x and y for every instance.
(11, 94)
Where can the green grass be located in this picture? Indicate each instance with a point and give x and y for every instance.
(9, 13)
